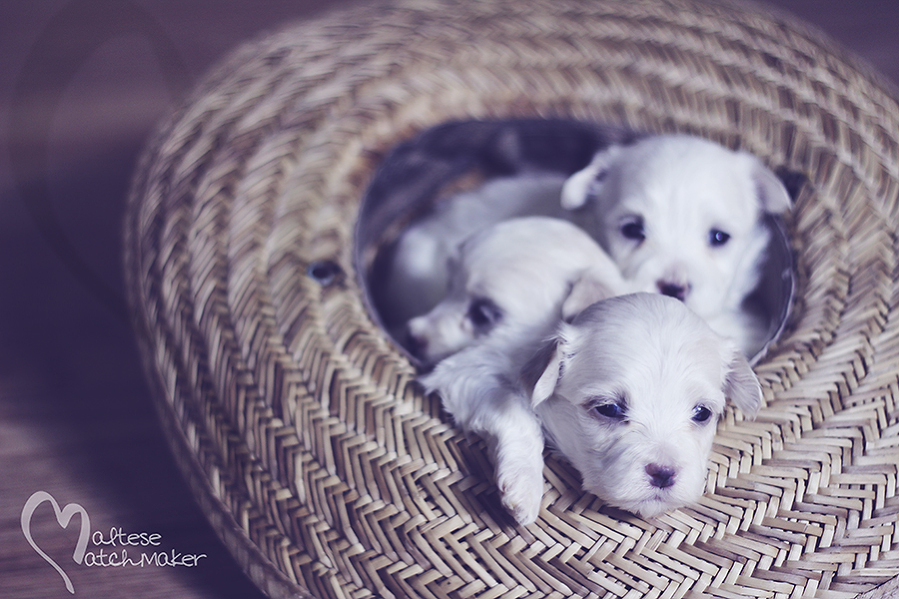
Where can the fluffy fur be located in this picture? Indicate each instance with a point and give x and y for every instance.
(419, 273)
(514, 280)
(678, 214)
(683, 216)
(629, 392)
(479, 386)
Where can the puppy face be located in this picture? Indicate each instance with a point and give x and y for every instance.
(631, 394)
(512, 281)
(681, 216)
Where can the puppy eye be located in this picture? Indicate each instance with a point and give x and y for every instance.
(633, 229)
(717, 238)
(701, 414)
(483, 314)
(613, 411)
(596, 185)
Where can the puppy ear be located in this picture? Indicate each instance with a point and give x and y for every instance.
(542, 372)
(741, 386)
(592, 285)
(772, 193)
(579, 186)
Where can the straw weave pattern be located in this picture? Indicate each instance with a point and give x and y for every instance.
(297, 422)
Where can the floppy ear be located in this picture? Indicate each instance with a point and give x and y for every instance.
(741, 386)
(542, 372)
(772, 193)
(592, 285)
(579, 186)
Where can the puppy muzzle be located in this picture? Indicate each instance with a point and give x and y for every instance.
(660, 477)
(678, 291)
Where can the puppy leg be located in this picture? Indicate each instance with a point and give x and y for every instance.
(489, 404)
(519, 476)
(516, 441)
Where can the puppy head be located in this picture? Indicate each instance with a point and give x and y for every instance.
(630, 393)
(511, 280)
(681, 216)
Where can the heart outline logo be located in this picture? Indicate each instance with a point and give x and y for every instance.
(63, 517)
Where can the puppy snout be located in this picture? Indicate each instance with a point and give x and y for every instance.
(678, 291)
(660, 476)
(416, 344)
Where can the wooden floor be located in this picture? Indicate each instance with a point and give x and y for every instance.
(81, 84)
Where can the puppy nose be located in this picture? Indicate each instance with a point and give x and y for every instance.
(416, 344)
(660, 477)
(675, 290)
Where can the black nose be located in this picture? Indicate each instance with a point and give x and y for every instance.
(416, 345)
(661, 477)
(673, 290)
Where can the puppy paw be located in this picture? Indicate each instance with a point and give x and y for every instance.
(521, 490)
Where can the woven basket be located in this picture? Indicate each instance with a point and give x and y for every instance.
(297, 421)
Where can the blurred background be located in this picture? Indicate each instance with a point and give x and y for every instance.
(82, 85)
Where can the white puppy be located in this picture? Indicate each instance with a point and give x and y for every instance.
(629, 393)
(514, 280)
(418, 274)
(511, 285)
(683, 216)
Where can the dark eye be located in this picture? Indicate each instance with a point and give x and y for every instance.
(633, 229)
(701, 414)
(483, 314)
(611, 410)
(717, 238)
(596, 184)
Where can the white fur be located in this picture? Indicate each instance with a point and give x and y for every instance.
(680, 189)
(660, 364)
(418, 275)
(646, 351)
(480, 388)
(516, 278)
(534, 271)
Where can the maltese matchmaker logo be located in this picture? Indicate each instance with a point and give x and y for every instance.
(95, 549)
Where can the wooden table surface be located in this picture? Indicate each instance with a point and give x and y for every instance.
(82, 83)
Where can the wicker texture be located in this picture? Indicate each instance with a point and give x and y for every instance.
(296, 420)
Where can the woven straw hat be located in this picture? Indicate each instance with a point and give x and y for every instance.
(296, 419)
